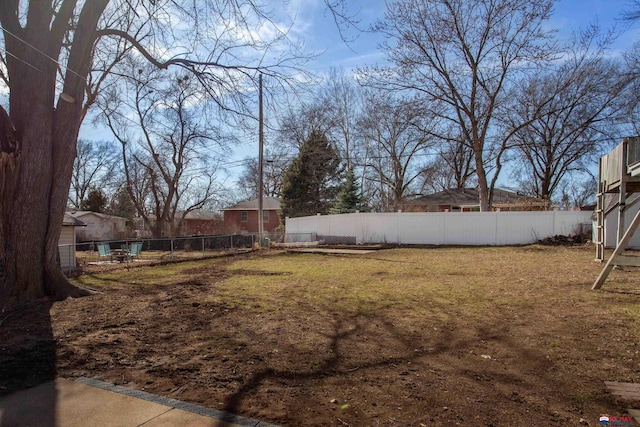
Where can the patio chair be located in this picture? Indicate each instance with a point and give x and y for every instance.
(104, 250)
(135, 249)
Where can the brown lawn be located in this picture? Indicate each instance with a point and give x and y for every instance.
(398, 337)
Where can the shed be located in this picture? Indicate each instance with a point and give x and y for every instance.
(67, 242)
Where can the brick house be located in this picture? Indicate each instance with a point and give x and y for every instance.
(243, 217)
(201, 223)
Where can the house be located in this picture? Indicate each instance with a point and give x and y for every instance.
(467, 200)
(243, 216)
(100, 226)
(200, 222)
(67, 242)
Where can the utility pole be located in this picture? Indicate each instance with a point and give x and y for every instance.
(260, 159)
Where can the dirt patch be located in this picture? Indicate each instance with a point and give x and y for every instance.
(444, 337)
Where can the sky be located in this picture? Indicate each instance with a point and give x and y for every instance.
(320, 33)
(316, 28)
(568, 16)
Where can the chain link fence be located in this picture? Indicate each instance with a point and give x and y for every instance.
(118, 253)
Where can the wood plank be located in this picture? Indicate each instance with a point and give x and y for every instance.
(619, 249)
(635, 414)
(635, 386)
(623, 386)
(627, 397)
(629, 391)
(627, 261)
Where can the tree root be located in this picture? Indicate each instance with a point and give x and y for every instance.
(59, 288)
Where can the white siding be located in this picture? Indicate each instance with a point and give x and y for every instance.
(101, 228)
(611, 227)
(66, 247)
(444, 228)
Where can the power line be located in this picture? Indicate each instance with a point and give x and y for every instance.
(55, 61)
(21, 60)
(57, 77)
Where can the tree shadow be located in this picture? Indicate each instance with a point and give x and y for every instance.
(336, 363)
(27, 360)
(455, 355)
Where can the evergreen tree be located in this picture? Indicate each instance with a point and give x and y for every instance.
(309, 184)
(122, 205)
(95, 201)
(349, 197)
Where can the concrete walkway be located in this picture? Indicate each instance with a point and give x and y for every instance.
(87, 402)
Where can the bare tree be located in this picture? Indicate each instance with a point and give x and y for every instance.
(581, 193)
(392, 129)
(274, 168)
(47, 54)
(451, 168)
(173, 148)
(343, 97)
(333, 108)
(633, 11)
(630, 98)
(464, 53)
(297, 123)
(92, 167)
(563, 118)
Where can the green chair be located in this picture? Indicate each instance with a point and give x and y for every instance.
(104, 250)
(135, 249)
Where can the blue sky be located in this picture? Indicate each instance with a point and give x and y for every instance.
(569, 16)
(316, 27)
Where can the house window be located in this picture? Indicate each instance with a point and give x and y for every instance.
(265, 216)
(244, 216)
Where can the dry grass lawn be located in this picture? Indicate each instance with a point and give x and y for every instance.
(431, 336)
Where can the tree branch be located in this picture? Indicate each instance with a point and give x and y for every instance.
(185, 63)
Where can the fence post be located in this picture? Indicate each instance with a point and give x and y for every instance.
(171, 240)
(203, 247)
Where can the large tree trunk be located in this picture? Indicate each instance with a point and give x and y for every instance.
(483, 185)
(35, 189)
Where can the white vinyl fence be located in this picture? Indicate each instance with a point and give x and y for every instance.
(444, 228)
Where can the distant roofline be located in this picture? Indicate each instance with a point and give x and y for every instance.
(269, 204)
(78, 214)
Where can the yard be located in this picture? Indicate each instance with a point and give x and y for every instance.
(400, 337)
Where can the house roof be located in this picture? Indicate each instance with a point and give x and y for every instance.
(80, 214)
(70, 221)
(471, 196)
(203, 215)
(268, 203)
